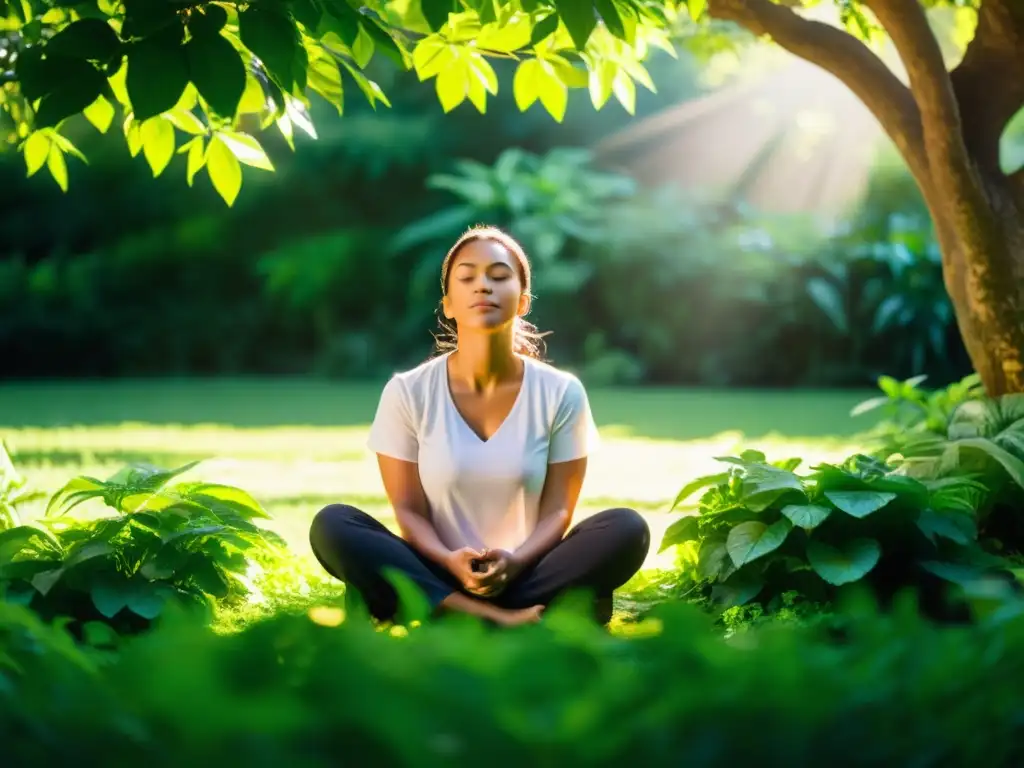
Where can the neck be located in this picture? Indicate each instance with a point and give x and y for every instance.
(483, 361)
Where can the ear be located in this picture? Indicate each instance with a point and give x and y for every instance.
(446, 307)
(524, 304)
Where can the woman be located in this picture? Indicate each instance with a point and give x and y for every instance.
(482, 451)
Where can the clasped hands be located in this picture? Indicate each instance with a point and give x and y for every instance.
(494, 570)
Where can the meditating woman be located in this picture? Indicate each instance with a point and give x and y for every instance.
(482, 451)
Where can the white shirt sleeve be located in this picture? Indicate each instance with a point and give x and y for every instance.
(574, 433)
(393, 432)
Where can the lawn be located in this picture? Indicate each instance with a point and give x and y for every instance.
(299, 445)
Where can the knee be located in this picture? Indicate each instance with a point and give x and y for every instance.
(331, 524)
(632, 531)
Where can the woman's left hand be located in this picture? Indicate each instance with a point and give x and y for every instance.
(501, 568)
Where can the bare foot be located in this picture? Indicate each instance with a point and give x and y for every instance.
(513, 618)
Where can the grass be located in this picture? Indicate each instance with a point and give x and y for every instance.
(299, 445)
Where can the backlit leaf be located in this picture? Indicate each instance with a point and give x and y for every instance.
(224, 169)
(36, 150)
(248, 151)
(158, 143)
(578, 17)
(58, 167)
(100, 113)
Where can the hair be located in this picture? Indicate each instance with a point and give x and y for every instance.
(527, 339)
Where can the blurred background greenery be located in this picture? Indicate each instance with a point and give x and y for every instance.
(329, 265)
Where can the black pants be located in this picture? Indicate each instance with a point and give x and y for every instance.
(599, 555)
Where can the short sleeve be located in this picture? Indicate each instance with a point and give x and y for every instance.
(574, 433)
(393, 432)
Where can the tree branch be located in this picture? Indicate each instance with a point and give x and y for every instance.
(989, 82)
(847, 59)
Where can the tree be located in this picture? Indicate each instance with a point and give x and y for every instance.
(220, 72)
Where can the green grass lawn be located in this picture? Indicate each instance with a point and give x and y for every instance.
(299, 445)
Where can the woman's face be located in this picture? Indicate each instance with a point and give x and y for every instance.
(484, 287)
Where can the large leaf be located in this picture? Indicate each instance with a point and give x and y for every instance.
(846, 563)
(806, 516)
(751, 540)
(273, 38)
(217, 71)
(955, 526)
(860, 503)
(110, 596)
(579, 18)
(86, 38)
(740, 588)
(1014, 467)
(713, 560)
(156, 77)
(73, 493)
(682, 530)
(218, 497)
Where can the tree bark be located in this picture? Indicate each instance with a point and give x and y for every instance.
(948, 133)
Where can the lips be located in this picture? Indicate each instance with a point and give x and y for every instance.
(484, 305)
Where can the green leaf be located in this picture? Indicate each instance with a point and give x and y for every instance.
(85, 39)
(602, 78)
(412, 602)
(696, 8)
(217, 71)
(682, 530)
(713, 561)
(545, 28)
(859, 503)
(46, 580)
(100, 113)
(611, 18)
(453, 84)
(58, 167)
(146, 599)
(957, 527)
(740, 588)
(845, 564)
(248, 151)
(869, 405)
(1013, 466)
(158, 72)
(807, 516)
(158, 143)
(36, 149)
(274, 40)
(436, 12)
(196, 158)
(145, 17)
(225, 172)
(695, 485)
(110, 597)
(751, 540)
(536, 78)
(341, 19)
(207, 576)
(579, 19)
(207, 19)
(80, 85)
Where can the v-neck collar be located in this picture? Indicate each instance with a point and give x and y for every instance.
(450, 398)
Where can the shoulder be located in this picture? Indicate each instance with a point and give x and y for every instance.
(415, 383)
(561, 384)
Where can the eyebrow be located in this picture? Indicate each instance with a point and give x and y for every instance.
(492, 264)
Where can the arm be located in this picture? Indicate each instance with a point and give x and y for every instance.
(557, 504)
(405, 492)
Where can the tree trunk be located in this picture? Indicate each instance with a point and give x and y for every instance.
(987, 291)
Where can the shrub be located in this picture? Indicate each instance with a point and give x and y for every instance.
(13, 492)
(762, 530)
(190, 543)
(957, 432)
(289, 691)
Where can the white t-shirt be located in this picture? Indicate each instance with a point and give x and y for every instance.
(483, 494)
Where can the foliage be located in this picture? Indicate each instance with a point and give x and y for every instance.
(957, 432)
(189, 543)
(218, 73)
(281, 693)
(761, 530)
(13, 491)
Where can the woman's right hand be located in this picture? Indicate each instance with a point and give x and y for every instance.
(460, 564)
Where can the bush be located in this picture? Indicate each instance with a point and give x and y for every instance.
(290, 691)
(189, 543)
(762, 530)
